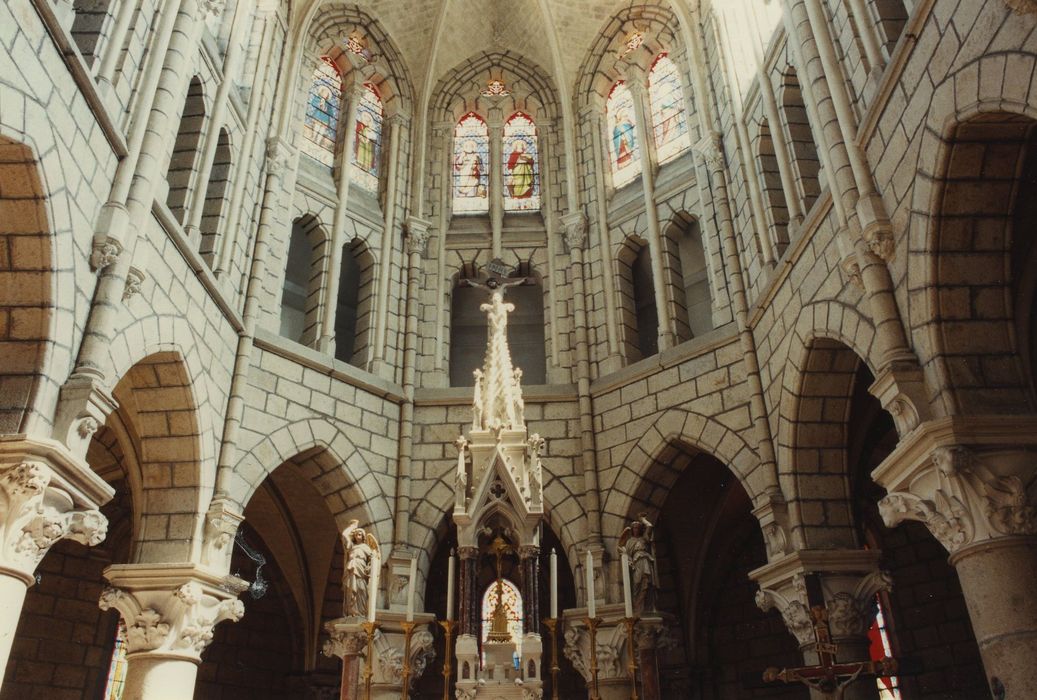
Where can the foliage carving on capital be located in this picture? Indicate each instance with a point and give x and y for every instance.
(280, 156)
(851, 614)
(609, 651)
(134, 282)
(971, 503)
(710, 149)
(794, 613)
(575, 230)
(880, 241)
(341, 643)
(852, 270)
(390, 657)
(34, 518)
(418, 234)
(105, 253)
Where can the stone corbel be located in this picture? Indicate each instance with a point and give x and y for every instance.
(710, 149)
(850, 613)
(611, 650)
(105, 252)
(134, 281)
(280, 156)
(773, 515)
(171, 609)
(83, 406)
(963, 496)
(900, 388)
(418, 233)
(222, 521)
(574, 225)
(877, 229)
(851, 269)
(793, 612)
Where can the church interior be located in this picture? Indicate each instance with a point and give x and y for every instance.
(475, 350)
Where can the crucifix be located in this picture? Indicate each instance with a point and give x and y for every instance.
(828, 676)
(498, 278)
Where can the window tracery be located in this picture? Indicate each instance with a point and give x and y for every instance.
(624, 153)
(669, 121)
(323, 105)
(367, 147)
(471, 156)
(521, 165)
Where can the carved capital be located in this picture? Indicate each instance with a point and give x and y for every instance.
(35, 513)
(221, 524)
(418, 233)
(134, 280)
(794, 612)
(343, 643)
(105, 253)
(170, 610)
(280, 156)
(388, 655)
(611, 651)
(773, 514)
(900, 388)
(852, 270)
(575, 230)
(965, 497)
(710, 149)
(880, 241)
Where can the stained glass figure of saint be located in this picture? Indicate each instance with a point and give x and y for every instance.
(669, 122)
(521, 167)
(471, 156)
(368, 143)
(626, 160)
(320, 125)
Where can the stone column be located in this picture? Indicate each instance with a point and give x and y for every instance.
(667, 337)
(347, 640)
(325, 342)
(530, 557)
(966, 480)
(468, 596)
(170, 611)
(496, 181)
(45, 495)
(848, 582)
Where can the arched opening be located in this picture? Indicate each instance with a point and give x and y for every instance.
(890, 19)
(800, 137)
(90, 26)
(706, 543)
(213, 211)
(273, 650)
(26, 295)
(302, 279)
(640, 316)
(773, 191)
(689, 277)
(985, 280)
(352, 317)
(180, 175)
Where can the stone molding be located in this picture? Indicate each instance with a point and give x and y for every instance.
(171, 609)
(900, 388)
(418, 233)
(574, 226)
(965, 478)
(345, 638)
(612, 644)
(280, 156)
(46, 495)
(222, 521)
(710, 149)
(773, 515)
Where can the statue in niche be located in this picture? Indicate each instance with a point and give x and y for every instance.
(362, 560)
(638, 541)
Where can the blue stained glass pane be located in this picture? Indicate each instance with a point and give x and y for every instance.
(622, 140)
(521, 165)
(320, 127)
(669, 121)
(471, 158)
(368, 146)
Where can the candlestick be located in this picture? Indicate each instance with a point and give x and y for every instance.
(448, 657)
(413, 586)
(630, 621)
(408, 630)
(552, 626)
(372, 591)
(554, 585)
(628, 606)
(369, 627)
(592, 625)
(591, 607)
(450, 586)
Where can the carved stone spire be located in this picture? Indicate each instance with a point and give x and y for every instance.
(497, 402)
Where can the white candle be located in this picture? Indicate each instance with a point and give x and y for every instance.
(628, 607)
(591, 607)
(413, 586)
(554, 585)
(372, 589)
(450, 587)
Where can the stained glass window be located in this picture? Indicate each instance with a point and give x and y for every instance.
(512, 601)
(521, 164)
(320, 127)
(471, 159)
(669, 121)
(368, 146)
(623, 151)
(889, 686)
(117, 668)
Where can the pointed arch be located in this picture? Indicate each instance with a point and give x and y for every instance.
(185, 150)
(367, 145)
(800, 137)
(214, 208)
(521, 166)
(301, 286)
(471, 162)
(624, 151)
(669, 118)
(323, 108)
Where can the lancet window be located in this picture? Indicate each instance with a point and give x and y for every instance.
(471, 158)
(367, 148)
(117, 666)
(888, 686)
(323, 106)
(521, 164)
(669, 119)
(624, 154)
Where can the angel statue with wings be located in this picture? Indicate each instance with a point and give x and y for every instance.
(638, 541)
(363, 558)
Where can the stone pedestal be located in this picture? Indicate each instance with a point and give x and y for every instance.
(969, 479)
(46, 494)
(613, 651)
(170, 611)
(348, 641)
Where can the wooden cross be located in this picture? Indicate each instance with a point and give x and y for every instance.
(498, 278)
(828, 676)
